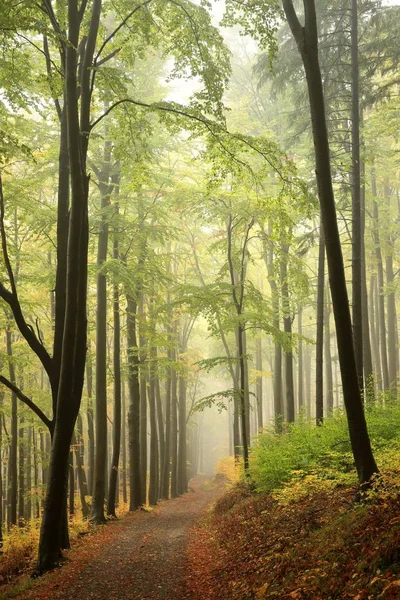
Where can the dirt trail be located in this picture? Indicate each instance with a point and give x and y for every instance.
(140, 557)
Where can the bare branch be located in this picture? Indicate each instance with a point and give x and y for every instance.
(27, 401)
(11, 297)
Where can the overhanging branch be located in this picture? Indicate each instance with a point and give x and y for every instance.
(27, 401)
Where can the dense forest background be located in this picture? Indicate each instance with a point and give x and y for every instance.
(164, 288)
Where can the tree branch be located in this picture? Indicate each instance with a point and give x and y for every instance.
(27, 401)
(13, 301)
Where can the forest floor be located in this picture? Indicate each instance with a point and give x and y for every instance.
(311, 543)
(140, 557)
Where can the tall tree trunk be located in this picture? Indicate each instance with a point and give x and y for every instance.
(71, 478)
(21, 471)
(319, 349)
(99, 490)
(182, 449)
(242, 400)
(366, 339)
(161, 432)
(76, 442)
(277, 371)
(328, 356)
(391, 309)
(356, 197)
(287, 328)
(123, 443)
(135, 497)
(112, 488)
(300, 374)
(154, 456)
(174, 423)
(259, 384)
(167, 455)
(373, 310)
(381, 298)
(30, 452)
(307, 41)
(13, 471)
(143, 372)
(90, 424)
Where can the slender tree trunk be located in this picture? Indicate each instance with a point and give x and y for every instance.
(161, 432)
(356, 198)
(300, 374)
(391, 310)
(76, 442)
(71, 477)
(21, 472)
(307, 40)
(135, 497)
(319, 373)
(242, 402)
(174, 425)
(182, 449)
(123, 443)
(13, 470)
(381, 299)
(112, 489)
(90, 424)
(287, 328)
(99, 491)
(143, 372)
(259, 384)
(373, 310)
(167, 454)
(328, 356)
(30, 452)
(154, 456)
(277, 371)
(366, 339)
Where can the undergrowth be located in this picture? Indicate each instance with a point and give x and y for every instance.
(322, 452)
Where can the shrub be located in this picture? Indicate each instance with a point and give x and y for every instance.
(320, 451)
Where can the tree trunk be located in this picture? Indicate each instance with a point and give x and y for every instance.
(356, 197)
(381, 298)
(307, 41)
(328, 357)
(161, 433)
(287, 328)
(300, 374)
(154, 456)
(174, 424)
(182, 449)
(277, 374)
(366, 339)
(167, 455)
(373, 310)
(135, 497)
(319, 347)
(13, 470)
(259, 384)
(90, 424)
(99, 491)
(112, 488)
(74, 340)
(391, 310)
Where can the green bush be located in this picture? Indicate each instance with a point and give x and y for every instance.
(324, 451)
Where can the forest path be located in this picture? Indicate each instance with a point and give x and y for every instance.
(140, 557)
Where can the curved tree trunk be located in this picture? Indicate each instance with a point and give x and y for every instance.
(307, 41)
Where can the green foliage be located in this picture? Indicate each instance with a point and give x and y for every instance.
(305, 450)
